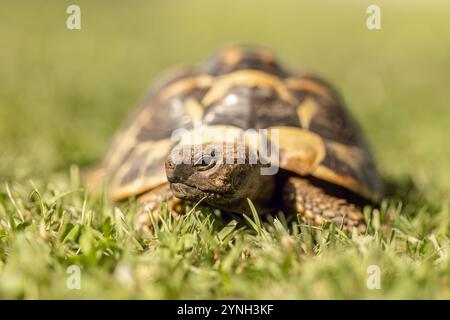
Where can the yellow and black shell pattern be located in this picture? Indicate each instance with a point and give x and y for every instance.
(244, 88)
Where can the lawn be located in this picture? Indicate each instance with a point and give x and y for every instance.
(64, 92)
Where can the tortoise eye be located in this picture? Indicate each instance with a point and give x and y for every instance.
(205, 162)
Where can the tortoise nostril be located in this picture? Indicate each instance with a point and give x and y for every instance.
(177, 172)
(170, 170)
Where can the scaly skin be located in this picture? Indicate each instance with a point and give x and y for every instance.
(316, 206)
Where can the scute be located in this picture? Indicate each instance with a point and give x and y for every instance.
(135, 160)
(233, 58)
(351, 167)
(348, 161)
(307, 153)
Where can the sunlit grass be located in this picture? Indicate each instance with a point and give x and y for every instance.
(207, 255)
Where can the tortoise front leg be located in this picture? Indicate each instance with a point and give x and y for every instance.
(149, 202)
(317, 206)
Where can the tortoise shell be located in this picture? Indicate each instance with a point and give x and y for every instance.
(243, 88)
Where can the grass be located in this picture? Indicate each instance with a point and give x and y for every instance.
(63, 93)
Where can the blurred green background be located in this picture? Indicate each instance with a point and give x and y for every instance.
(63, 92)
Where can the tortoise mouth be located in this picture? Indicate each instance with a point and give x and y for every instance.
(187, 192)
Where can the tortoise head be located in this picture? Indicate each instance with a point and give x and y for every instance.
(220, 174)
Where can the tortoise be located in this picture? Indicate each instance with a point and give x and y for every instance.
(325, 170)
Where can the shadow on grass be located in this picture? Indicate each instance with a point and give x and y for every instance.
(406, 191)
